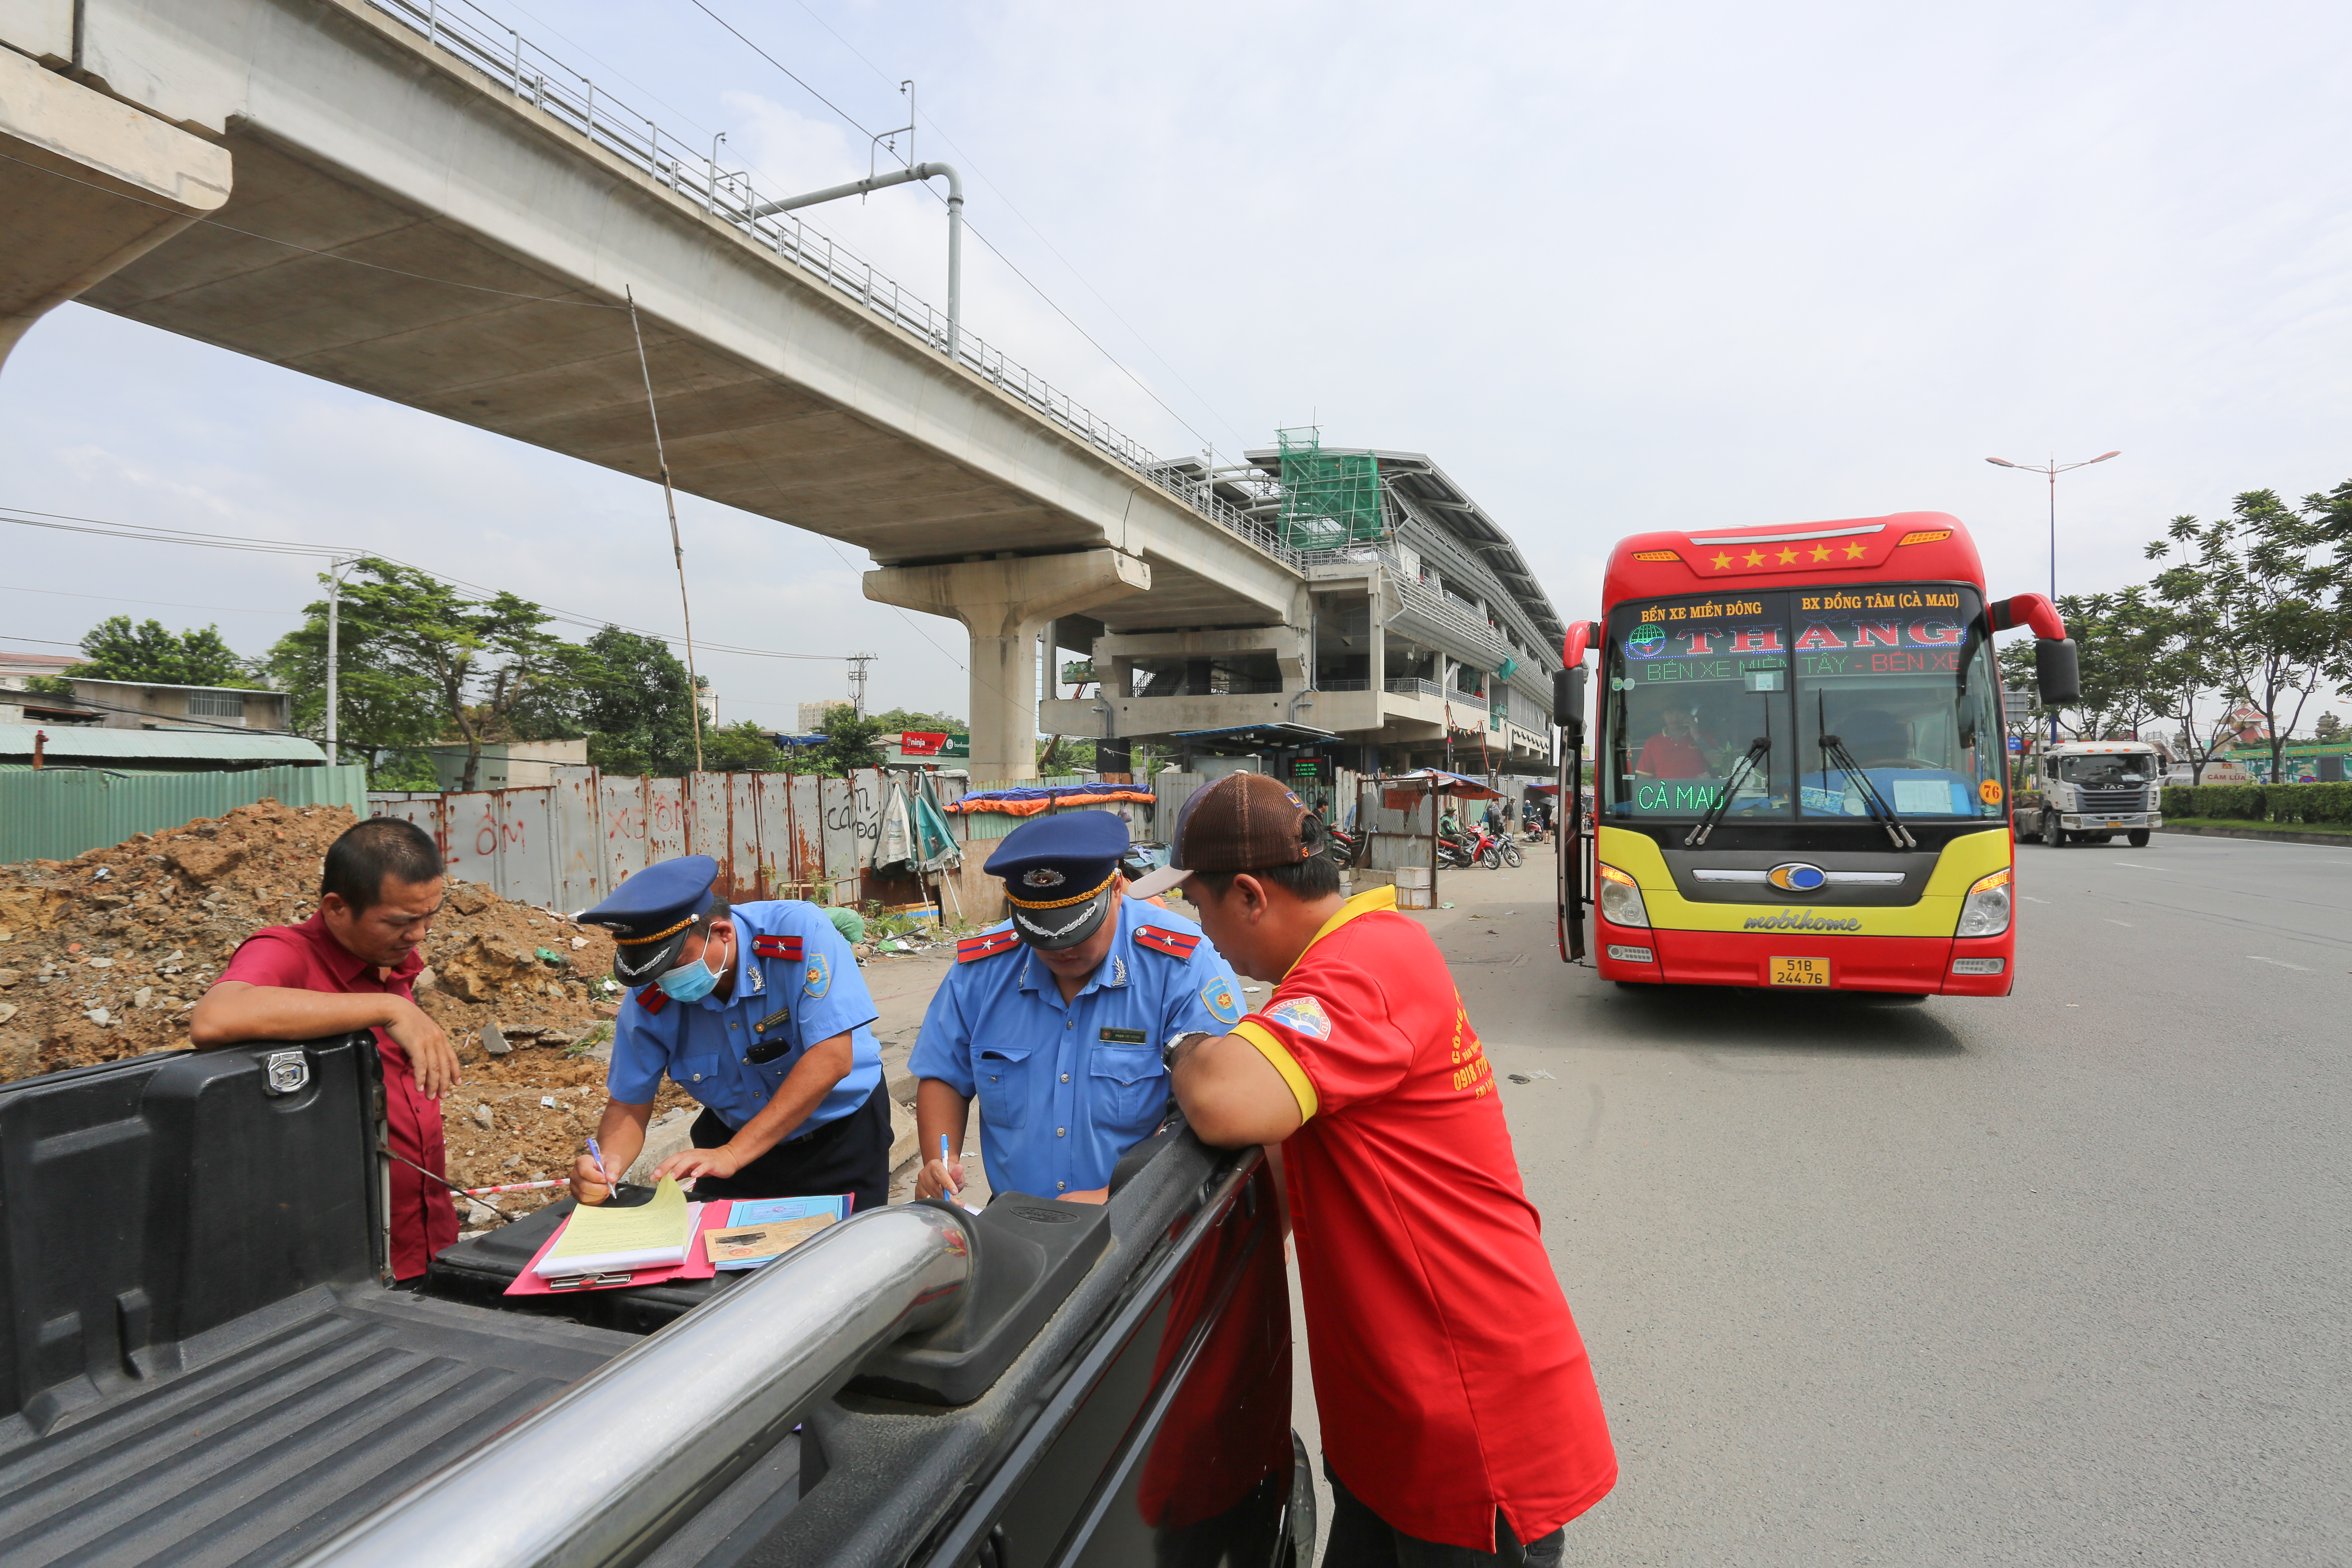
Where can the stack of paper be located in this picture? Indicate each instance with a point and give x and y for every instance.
(764, 1229)
(605, 1239)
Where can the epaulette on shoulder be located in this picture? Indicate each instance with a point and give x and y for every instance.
(1174, 943)
(653, 998)
(988, 944)
(783, 947)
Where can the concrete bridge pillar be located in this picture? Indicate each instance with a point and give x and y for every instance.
(75, 155)
(1003, 603)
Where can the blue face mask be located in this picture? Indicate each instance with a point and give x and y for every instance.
(690, 982)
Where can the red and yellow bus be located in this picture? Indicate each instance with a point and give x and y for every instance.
(1801, 760)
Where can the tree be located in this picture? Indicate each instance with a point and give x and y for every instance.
(2329, 729)
(899, 720)
(2121, 640)
(390, 714)
(850, 742)
(114, 650)
(2261, 596)
(488, 670)
(742, 747)
(638, 711)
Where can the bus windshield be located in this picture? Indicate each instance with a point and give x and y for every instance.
(1793, 702)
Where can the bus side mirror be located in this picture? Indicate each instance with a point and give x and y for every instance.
(1567, 700)
(2057, 672)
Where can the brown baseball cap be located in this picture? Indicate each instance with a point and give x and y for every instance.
(1243, 822)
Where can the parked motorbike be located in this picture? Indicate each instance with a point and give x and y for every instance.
(1493, 850)
(1342, 847)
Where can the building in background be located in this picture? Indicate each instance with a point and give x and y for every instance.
(150, 751)
(813, 714)
(509, 764)
(1424, 639)
(16, 668)
(140, 705)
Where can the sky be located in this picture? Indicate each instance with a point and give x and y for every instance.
(1614, 269)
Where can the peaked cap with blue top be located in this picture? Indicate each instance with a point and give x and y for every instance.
(651, 915)
(1061, 875)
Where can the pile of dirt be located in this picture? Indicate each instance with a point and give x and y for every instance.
(103, 957)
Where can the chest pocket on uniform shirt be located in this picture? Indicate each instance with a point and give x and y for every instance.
(1130, 1086)
(698, 1071)
(1001, 1077)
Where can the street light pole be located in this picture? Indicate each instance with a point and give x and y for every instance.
(335, 569)
(2053, 468)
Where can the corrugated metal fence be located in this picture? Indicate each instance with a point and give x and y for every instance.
(55, 814)
(568, 844)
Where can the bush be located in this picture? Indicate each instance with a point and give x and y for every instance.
(2327, 803)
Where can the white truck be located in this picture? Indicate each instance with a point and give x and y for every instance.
(2086, 792)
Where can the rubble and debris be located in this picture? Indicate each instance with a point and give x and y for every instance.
(104, 967)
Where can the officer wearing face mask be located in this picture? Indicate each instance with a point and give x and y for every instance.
(759, 1013)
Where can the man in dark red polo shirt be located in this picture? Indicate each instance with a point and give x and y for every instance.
(349, 967)
(1460, 1421)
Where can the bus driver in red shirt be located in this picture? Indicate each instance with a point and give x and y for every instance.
(1460, 1421)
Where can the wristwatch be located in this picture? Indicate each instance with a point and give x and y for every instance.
(1179, 1045)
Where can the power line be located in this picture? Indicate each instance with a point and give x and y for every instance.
(966, 160)
(1050, 303)
(151, 534)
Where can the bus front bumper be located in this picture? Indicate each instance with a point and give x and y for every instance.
(1914, 965)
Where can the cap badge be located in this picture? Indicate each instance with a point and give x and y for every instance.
(1042, 876)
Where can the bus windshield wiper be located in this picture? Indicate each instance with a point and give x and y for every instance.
(1757, 751)
(1834, 749)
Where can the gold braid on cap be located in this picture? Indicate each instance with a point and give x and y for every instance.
(640, 941)
(1064, 903)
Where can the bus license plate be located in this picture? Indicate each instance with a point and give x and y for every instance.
(1800, 972)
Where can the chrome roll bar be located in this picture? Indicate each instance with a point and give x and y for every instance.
(611, 1465)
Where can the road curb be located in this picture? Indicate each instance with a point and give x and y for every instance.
(2337, 840)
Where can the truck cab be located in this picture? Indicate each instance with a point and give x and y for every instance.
(2086, 792)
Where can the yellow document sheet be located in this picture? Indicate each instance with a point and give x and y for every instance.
(651, 1235)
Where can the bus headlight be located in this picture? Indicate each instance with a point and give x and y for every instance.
(1985, 912)
(1621, 898)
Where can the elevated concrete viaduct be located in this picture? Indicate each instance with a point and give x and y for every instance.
(786, 390)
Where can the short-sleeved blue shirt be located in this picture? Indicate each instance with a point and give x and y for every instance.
(803, 999)
(1065, 1089)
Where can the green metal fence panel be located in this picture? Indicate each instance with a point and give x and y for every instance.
(55, 814)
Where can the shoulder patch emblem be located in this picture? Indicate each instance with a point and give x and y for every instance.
(1303, 1014)
(987, 945)
(784, 947)
(819, 976)
(653, 998)
(1218, 997)
(1174, 943)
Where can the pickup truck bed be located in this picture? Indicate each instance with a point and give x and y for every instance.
(200, 1362)
(280, 1428)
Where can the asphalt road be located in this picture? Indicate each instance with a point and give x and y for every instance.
(2054, 1278)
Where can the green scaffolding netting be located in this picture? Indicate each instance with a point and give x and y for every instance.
(1327, 501)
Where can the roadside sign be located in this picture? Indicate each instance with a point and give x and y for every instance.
(2016, 705)
(1306, 767)
(2016, 744)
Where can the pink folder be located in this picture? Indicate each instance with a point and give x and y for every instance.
(697, 1264)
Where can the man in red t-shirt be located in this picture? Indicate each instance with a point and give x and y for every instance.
(349, 967)
(1460, 1421)
(1674, 751)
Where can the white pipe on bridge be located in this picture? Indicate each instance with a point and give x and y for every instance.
(899, 177)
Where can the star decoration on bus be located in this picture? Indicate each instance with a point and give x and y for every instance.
(1722, 562)
(1755, 558)
(1821, 552)
(1853, 553)
(1787, 556)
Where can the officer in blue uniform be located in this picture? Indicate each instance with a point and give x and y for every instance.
(1055, 1019)
(757, 1011)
